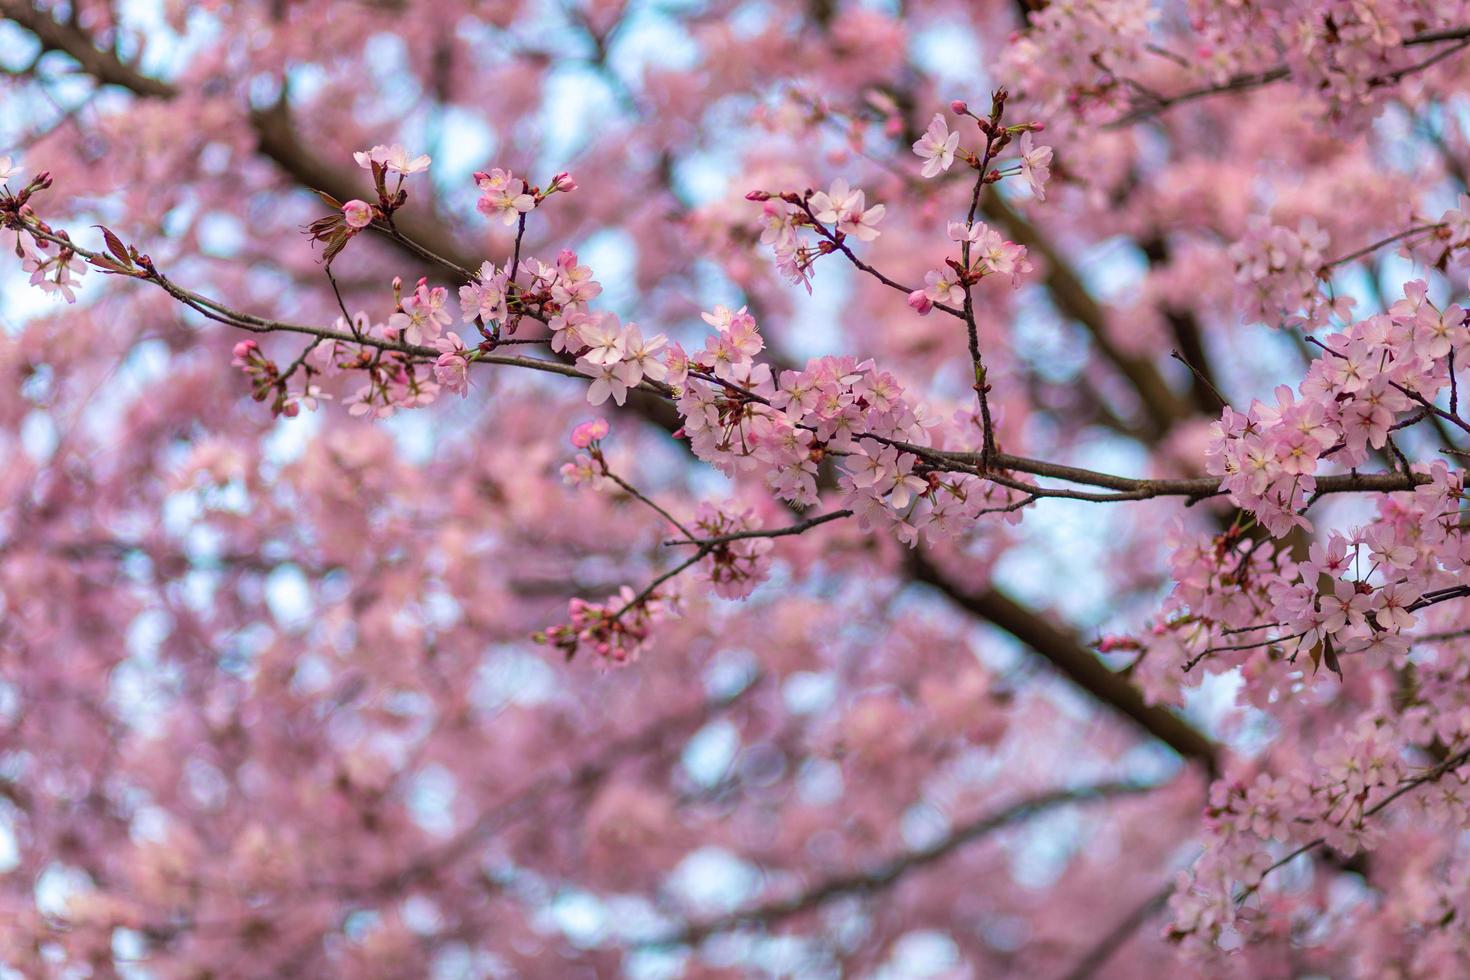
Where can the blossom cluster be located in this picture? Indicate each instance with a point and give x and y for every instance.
(1279, 269)
(990, 254)
(1370, 375)
(1101, 58)
(734, 567)
(1072, 55)
(837, 213)
(1340, 55)
(741, 419)
(614, 630)
(615, 355)
(1239, 602)
(1334, 798)
(507, 198)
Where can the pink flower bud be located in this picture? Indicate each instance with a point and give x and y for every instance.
(758, 196)
(587, 433)
(959, 108)
(243, 352)
(359, 214)
(563, 182)
(920, 302)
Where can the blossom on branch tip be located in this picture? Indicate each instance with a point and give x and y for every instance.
(393, 158)
(359, 214)
(936, 147)
(503, 195)
(451, 368)
(1035, 165)
(847, 209)
(586, 433)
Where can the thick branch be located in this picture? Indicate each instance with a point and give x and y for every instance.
(1075, 661)
(276, 137)
(888, 873)
(1251, 80)
(1161, 404)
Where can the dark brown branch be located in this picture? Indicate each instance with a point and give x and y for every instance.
(274, 131)
(888, 873)
(1252, 80)
(1113, 940)
(1072, 659)
(1162, 406)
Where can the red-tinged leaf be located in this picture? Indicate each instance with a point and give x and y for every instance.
(109, 266)
(331, 201)
(115, 246)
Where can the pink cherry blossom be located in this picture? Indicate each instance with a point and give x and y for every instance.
(936, 147)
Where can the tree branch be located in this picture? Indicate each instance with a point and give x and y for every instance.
(886, 874)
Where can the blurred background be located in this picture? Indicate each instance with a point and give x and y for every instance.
(269, 704)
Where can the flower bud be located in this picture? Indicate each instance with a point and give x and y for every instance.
(359, 214)
(587, 433)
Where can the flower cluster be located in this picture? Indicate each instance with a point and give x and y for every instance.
(452, 366)
(421, 316)
(1280, 269)
(616, 356)
(503, 196)
(484, 299)
(990, 254)
(1101, 58)
(266, 379)
(1341, 57)
(1072, 55)
(508, 199)
(1360, 594)
(588, 469)
(740, 419)
(1337, 797)
(1352, 399)
(838, 213)
(734, 567)
(615, 630)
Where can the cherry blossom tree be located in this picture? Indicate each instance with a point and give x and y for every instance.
(734, 489)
